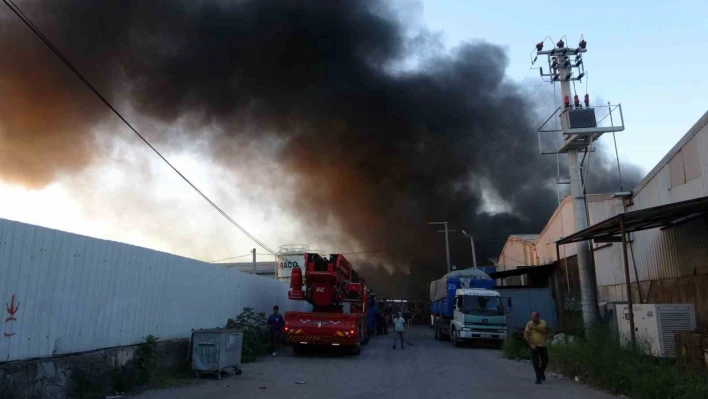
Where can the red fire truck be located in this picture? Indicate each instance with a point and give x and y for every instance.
(339, 305)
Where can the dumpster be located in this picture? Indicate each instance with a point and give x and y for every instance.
(214, 350)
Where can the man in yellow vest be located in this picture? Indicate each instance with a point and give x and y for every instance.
(536, 334)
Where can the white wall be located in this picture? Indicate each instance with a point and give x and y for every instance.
(74, 293)
(665, 253)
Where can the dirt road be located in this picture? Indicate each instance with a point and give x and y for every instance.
(429, 369)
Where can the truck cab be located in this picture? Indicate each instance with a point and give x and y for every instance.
(478, 314)
(465, 307)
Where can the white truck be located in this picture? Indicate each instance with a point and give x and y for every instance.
(466, 308)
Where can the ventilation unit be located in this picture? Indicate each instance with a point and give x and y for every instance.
(656, 325)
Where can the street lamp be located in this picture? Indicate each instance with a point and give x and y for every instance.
(474, 255)
(447, 242)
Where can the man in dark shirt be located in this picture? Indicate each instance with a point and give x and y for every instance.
(276, 323)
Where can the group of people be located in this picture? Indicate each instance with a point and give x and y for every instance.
(536, 334)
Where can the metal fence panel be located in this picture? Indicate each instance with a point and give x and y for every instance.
(66, 293)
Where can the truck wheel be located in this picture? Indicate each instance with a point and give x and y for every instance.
(437, 333)
(357, 350)
(453, 337)
(366, 340)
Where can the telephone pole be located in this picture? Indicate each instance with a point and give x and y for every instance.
(474, 253)
(579, 127)
(447, 242)
(254, 260)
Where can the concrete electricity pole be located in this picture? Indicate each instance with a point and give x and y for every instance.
(447, 242)
(579, 127)
(586, 275)
(254, 261)
(474, 253)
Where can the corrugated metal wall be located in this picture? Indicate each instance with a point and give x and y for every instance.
(560, 225)
(516, 252)
(674, 252)
(67, 293)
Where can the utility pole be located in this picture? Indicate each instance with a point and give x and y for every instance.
(579, 127)
(474, 253)
(254, 261)
(588, 300)
(447, 242)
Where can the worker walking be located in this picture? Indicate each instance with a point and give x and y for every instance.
(276, 324)
(536, 334)
(399, 326)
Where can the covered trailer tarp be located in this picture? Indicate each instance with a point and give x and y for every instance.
(438, 288)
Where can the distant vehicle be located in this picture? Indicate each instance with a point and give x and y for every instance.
(465, 308)
(339, 299)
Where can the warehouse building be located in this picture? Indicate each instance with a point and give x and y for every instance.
(264, 269)
(668, 252)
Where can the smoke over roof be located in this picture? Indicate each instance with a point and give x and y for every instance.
(370, 144)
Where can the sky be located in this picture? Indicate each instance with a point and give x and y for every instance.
(648, 56)
(650, 59)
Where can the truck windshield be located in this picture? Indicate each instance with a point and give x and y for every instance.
(482, 305)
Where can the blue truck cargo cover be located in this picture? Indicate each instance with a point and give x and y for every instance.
(444, 306)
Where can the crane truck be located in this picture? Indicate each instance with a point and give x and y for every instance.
(465, 307)
(339, 299)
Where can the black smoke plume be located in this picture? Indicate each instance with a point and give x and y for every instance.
(374, 146)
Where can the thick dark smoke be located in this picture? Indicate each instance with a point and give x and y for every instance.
(375, 147)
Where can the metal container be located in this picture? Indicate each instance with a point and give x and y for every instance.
(215, 350)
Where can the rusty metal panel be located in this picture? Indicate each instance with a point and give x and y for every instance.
(68, 293)
(660, 254)
(609, 264)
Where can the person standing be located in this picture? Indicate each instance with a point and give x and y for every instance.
(536, 334)
(276, 324)
(399, 326)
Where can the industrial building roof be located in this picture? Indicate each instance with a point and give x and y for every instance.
(642, 219)
(261, 267)
(526, 237)
(522, 270)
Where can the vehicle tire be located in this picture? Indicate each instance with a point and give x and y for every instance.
(238, 371)
(366, 340)
(357, 350)
(437, 333)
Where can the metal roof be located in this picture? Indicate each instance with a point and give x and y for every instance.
(522, 270)
(526, 237)
(643, 219)
(261, 267)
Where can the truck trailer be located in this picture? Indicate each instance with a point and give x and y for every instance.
(339, 298)
(464, 307)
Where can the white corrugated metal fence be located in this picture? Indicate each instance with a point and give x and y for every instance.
(66, 293)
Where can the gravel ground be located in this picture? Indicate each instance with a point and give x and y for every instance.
(427, 369)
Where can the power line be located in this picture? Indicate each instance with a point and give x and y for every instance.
(237, 257)
(58, 53)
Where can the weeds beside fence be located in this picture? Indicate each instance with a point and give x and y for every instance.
(600, 360)
(255, 334)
